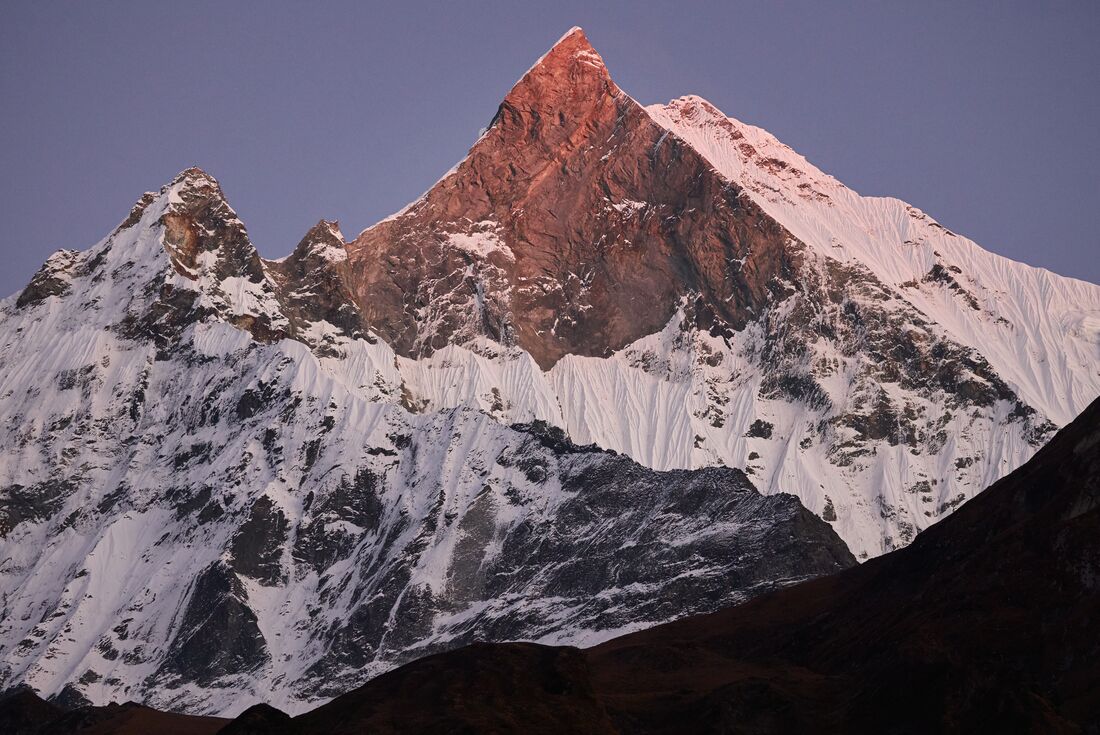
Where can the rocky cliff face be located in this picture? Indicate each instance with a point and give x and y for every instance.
(575, 226)
(372, 449)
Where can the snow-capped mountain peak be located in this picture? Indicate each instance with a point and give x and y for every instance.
(376, 448)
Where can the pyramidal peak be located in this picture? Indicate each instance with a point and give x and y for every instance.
(193, 175)
(568, 80)
(573, 47)
(193, 189)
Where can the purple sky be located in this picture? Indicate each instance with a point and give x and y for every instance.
(983, 114)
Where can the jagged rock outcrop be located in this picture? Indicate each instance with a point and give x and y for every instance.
(208, 247)
(314, 293)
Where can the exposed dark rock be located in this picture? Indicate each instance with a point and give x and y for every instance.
(219, 635)
(19, 503)
(70, 698)
(166, 318)
(353, 500)
(252, 401)
(554, 438)
(939, 274)
(52, 279)
(760, 429)
(186, 500)
(257, 547)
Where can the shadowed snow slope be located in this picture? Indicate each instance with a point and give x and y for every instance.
(988, 622)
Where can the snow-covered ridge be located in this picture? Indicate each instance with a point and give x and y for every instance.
(1038, 329)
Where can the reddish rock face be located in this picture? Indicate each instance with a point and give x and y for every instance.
(311, 285)
(576, 225)
(203, 222)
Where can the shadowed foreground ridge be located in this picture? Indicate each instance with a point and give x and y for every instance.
(22, 712)
(988, 622)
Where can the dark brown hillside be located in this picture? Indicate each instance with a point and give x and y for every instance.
(22, 712)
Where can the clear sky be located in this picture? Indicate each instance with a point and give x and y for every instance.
(984, 114)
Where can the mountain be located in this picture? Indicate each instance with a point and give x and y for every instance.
(681, 287)
(199, 512)
(988, 622)
(534, 404)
